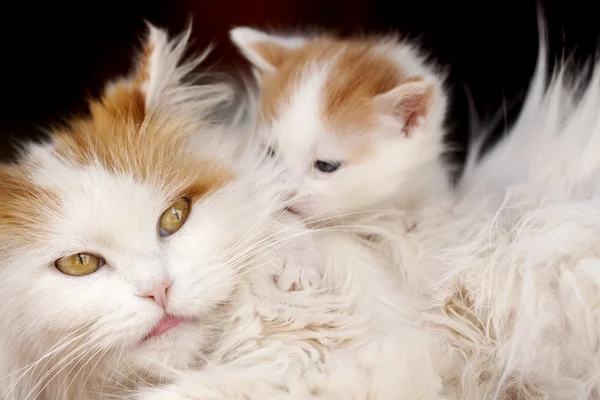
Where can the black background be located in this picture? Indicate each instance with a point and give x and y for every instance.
(54, 55)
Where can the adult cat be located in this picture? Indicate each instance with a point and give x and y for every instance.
(127, 256)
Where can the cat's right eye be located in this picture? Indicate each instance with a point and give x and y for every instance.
(174, 217)
(327, 166)
(79, 264)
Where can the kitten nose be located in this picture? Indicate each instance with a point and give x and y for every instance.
(289, 195)
(158, 294)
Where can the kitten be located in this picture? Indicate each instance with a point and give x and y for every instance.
(127, 256)
(358, 123)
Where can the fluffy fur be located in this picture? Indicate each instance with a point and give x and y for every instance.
(512, 273)
(100, 186)
(506, 284)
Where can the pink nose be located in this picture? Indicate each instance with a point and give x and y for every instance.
(158, 294)
(289, 195)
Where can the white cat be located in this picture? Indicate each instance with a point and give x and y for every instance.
(129, 257)
(358, 123)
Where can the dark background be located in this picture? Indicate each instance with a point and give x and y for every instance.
(54, 55)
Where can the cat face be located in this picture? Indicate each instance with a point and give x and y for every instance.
(334, 173)
(116, 242)
(353, 121)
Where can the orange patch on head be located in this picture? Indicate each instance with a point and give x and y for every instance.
(358, 74)
(24, 207)
(123, 137)
(277, 87)
(152, 148)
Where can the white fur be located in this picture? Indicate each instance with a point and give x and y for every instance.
(512, 274)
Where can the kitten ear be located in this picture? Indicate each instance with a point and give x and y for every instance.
(410, 103)
(265, 51)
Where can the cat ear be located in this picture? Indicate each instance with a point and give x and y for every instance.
(265, 51)
(410, 103)
(157, 71)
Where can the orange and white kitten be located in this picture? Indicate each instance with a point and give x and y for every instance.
(358, 123)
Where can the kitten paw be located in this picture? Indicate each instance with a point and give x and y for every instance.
(298, 275)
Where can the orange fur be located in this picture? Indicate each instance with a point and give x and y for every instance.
(24, 207)
(359, 74)
(124, 138)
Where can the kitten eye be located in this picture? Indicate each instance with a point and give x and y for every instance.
(79, 264)
(270, 152)
(174, 217)
(327, 166)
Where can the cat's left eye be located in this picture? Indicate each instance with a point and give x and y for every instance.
(174, 217)
(327, 166)
(79, 264)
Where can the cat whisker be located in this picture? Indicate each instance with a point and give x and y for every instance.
(82, 368)
(47, 357)
(77, 353)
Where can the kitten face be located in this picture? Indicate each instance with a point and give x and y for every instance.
(352, 121)
(101, 189)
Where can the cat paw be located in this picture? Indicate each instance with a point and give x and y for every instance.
(298, 274)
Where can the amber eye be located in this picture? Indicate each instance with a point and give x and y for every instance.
(79, 264)
(174, 217)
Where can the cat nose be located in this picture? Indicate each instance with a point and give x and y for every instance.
(158, 294)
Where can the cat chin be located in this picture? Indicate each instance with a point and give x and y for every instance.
(175, 348)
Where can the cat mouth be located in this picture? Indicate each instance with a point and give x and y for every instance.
(167, 323)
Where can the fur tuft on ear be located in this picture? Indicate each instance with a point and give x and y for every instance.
(160, 78)
(265, 51)
(410, 103)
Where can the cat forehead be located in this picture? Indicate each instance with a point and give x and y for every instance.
(335, 79)
(108, 172)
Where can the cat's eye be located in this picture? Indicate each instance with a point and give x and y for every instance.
(79, 264)
(327, 166)
(174, 217)
(271, 152)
